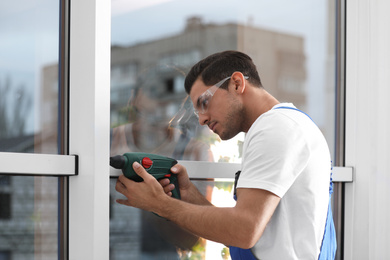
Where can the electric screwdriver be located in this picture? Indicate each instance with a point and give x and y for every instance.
(156, 165)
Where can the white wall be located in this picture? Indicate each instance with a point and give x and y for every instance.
(367, 216)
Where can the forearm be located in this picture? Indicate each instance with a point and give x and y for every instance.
(222, 225)
(194, 196)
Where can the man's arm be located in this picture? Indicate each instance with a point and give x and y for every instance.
(188, 191)
(239, 226)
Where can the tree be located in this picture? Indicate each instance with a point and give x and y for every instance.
(14, 106)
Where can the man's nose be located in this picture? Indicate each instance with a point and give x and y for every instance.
(203, 119)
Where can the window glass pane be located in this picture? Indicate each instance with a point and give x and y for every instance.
(28, 217)
(5, 255)
(154, 44)
(292, 46)
(29, 33)
(29, 51)
(137, 234)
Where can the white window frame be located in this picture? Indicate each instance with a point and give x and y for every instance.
(89, 108)
(38, 164)
(89, 81)
(221, 170)
(89, 68)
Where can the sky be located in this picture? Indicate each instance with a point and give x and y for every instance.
(28, 41)
(298, 16)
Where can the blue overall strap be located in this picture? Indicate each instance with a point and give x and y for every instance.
(237, 253)
(296, 109)
(329, 243)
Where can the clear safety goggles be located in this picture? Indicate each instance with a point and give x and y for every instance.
(204, 99)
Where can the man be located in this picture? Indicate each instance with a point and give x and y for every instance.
(283, 189)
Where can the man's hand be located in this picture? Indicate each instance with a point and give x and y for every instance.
(188, 191)
(144, 195)
(182, 179)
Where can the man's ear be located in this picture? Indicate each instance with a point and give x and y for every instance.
(239, 82)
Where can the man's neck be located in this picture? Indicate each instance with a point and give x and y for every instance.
(258, 102)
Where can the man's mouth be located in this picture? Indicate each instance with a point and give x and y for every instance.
(212, 126)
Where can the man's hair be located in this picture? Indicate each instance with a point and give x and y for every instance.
(221, 65)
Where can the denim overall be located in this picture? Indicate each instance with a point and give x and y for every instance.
(329, 244)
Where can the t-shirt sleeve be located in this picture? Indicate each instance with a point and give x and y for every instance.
(275, 153)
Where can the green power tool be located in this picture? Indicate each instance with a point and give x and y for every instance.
(156, 165)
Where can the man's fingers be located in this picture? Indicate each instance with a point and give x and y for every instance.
(176, 168)
(141, 171)
(169, 188)
(123, 180)
(120, 187)
(164, 182)
(180, 170)
(123, 202)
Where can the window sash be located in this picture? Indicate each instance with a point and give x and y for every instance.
(38, 164)
(221, 170)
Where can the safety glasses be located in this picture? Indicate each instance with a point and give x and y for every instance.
(204, 99)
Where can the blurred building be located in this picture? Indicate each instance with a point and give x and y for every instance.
(164, 62)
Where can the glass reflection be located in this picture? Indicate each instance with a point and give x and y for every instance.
(154, 44)
(144, 117)
(292, 56)
(137, 234)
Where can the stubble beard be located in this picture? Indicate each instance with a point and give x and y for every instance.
(234, 121)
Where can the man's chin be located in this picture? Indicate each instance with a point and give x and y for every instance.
(226, 136)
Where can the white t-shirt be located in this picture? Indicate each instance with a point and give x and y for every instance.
(286, 154)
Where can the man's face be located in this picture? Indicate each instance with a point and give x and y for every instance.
(224, 115)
